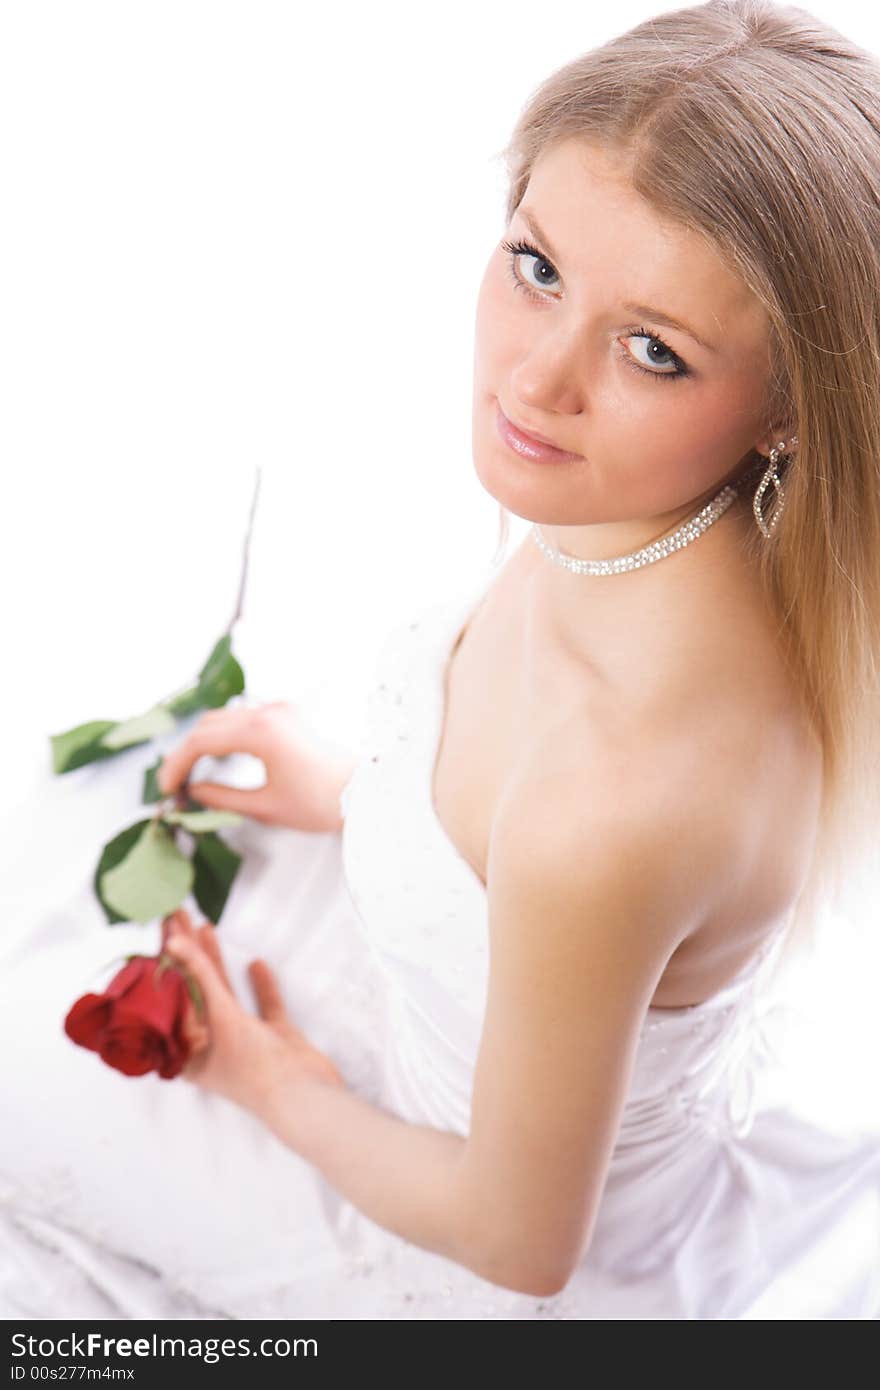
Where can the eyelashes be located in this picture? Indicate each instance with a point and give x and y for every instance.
(515, 249)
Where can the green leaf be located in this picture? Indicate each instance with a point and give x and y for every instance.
(200, 822)
(216, 866)
(184, 704)
(218, 657)
(140, 729)
(219, 680)
(113, 853)
(80, 745)
(152, 880)
(152, 791)
(221, 677)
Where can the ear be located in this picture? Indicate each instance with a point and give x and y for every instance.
(784, 432)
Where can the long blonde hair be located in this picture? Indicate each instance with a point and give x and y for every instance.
(758, 127)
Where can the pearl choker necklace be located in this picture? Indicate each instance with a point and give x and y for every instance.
(682, 536)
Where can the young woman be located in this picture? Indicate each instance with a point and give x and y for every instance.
(507, 1026)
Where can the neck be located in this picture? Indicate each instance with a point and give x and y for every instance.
(640, 616)
(608, 540)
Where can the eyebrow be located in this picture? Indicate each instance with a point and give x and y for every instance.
(644, 310)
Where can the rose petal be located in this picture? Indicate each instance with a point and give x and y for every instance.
(130, 1050)
(87, 1020)
(129, 975)
(173, 1063)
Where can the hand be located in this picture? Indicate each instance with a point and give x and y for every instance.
(242, 1056)
(303, 781)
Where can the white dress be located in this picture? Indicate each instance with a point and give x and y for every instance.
(144, 1198)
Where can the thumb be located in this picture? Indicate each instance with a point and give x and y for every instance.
(244, 801)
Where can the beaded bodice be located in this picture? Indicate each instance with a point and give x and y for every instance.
(424, 911)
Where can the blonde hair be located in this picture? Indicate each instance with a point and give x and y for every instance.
(757, 126)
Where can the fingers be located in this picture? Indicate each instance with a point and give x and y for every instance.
(196, 1034)
(269, 1001)
(207, 937)
(198, 949)
(184, 946)
(176, 923)
(251, 801)
(179, 924)
(217, 734)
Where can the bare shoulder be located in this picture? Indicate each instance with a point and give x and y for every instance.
(666, 797)
(675, 819)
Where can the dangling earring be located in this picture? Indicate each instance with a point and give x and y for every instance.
(770, 476)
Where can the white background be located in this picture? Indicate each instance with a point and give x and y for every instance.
(239, 234)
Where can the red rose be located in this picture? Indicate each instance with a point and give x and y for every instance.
(137, 1023)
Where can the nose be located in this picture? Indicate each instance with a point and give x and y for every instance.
(546, 378)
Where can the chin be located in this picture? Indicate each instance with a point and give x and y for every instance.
(545, 500)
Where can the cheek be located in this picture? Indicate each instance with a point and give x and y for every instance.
(637, 419)
(719, 427)
(688, 417)
(664, 440)
(495, 334)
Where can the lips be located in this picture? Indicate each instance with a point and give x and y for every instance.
(531, 446)
(538, 438)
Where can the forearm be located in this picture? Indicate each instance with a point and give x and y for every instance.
(404, 1177)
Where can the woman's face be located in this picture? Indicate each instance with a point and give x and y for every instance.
(657, 417)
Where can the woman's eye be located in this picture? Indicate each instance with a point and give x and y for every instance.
(655, 352)
(524, 251)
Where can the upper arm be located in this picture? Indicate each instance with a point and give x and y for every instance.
(588, 899)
